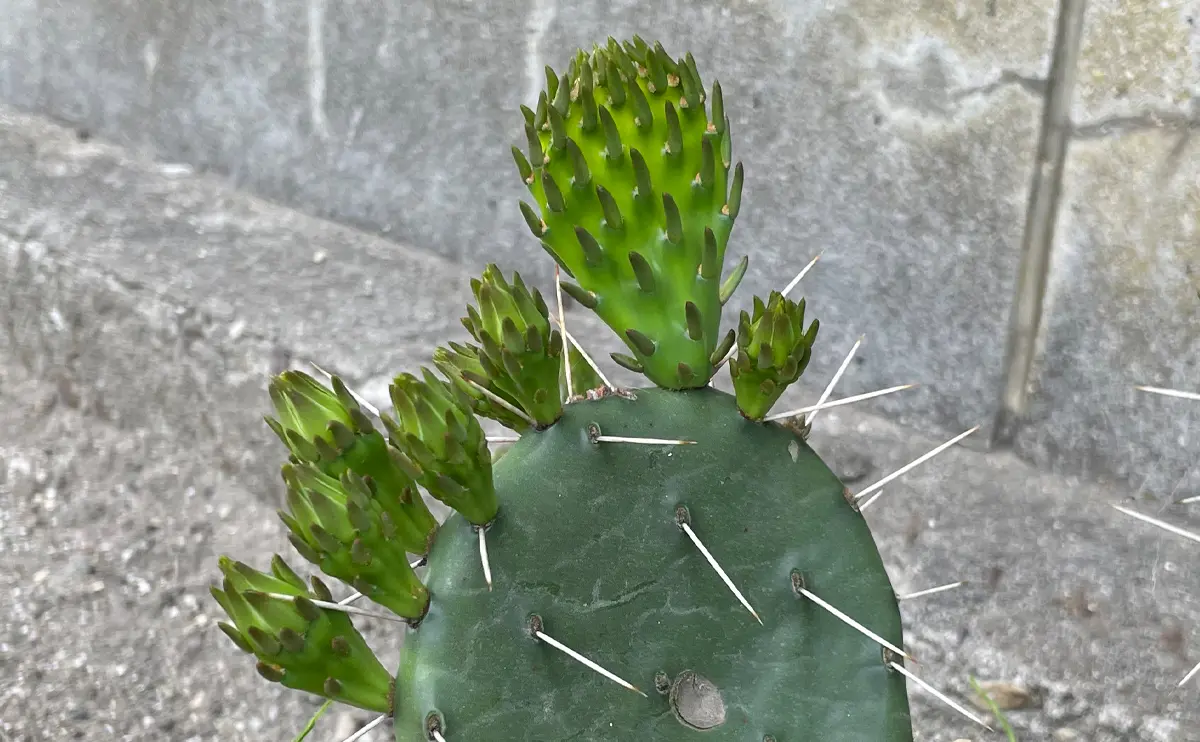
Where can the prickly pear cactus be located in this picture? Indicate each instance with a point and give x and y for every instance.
(657, 563)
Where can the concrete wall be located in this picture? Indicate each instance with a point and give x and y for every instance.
(900, 136)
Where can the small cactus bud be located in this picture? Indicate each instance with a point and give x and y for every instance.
(436, 428)
(356, 547)
(773, 351)
(282, 633)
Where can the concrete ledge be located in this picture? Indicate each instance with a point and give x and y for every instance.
(161, 300)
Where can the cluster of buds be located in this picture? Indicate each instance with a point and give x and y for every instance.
(355, 511)
(350, 532)
(329, 430)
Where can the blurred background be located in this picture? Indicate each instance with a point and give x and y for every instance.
(1005, 196)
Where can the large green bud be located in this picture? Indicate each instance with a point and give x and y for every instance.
(328, 429)
(773, 349)
(631, 174)
(519, 355)
(344, 528)
(297, 643)
(438, 442)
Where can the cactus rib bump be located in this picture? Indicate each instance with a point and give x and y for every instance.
(604, 540)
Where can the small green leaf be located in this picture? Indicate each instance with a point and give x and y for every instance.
(640, 342)
(695, 323)
(641, 174)
(718, 108)
(642, 272)
(614, 150)
(307, 730)
(707, 164)
(554, 197)
(523, 166)
(558, 130)
(734, 203)
(731, 283)
(592, 252)
(626, 361)
(612, 81)
(722, 348)
(673, 219)
(710, 263)
(608, 205)
(587, 298)
(674, 131)
(643, 117)
(536, 156)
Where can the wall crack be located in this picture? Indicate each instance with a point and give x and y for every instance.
(1035, 86)
(1115, 126)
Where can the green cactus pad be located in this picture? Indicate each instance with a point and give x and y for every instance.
(588, 541)
(631, 174)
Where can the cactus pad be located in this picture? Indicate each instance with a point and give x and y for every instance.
(630, 170)
(588, 541)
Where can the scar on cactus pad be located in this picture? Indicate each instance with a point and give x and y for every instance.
(668, 562)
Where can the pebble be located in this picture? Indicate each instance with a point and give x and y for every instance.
(1117, 718)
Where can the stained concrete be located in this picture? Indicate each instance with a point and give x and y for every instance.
(1123, 304)
(898, 138)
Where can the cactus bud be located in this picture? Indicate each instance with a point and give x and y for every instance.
(293, 639)
(773, 350)
(346, 545)
(436, 431)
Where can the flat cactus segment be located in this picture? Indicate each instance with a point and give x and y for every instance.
(631, 175)
(297, 643)
(588, 541)
(774, 348)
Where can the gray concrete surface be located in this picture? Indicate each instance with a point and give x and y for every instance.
(899, 137)
(142, 309)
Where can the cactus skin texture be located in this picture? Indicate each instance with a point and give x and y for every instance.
(593, 519)
(614, 577)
